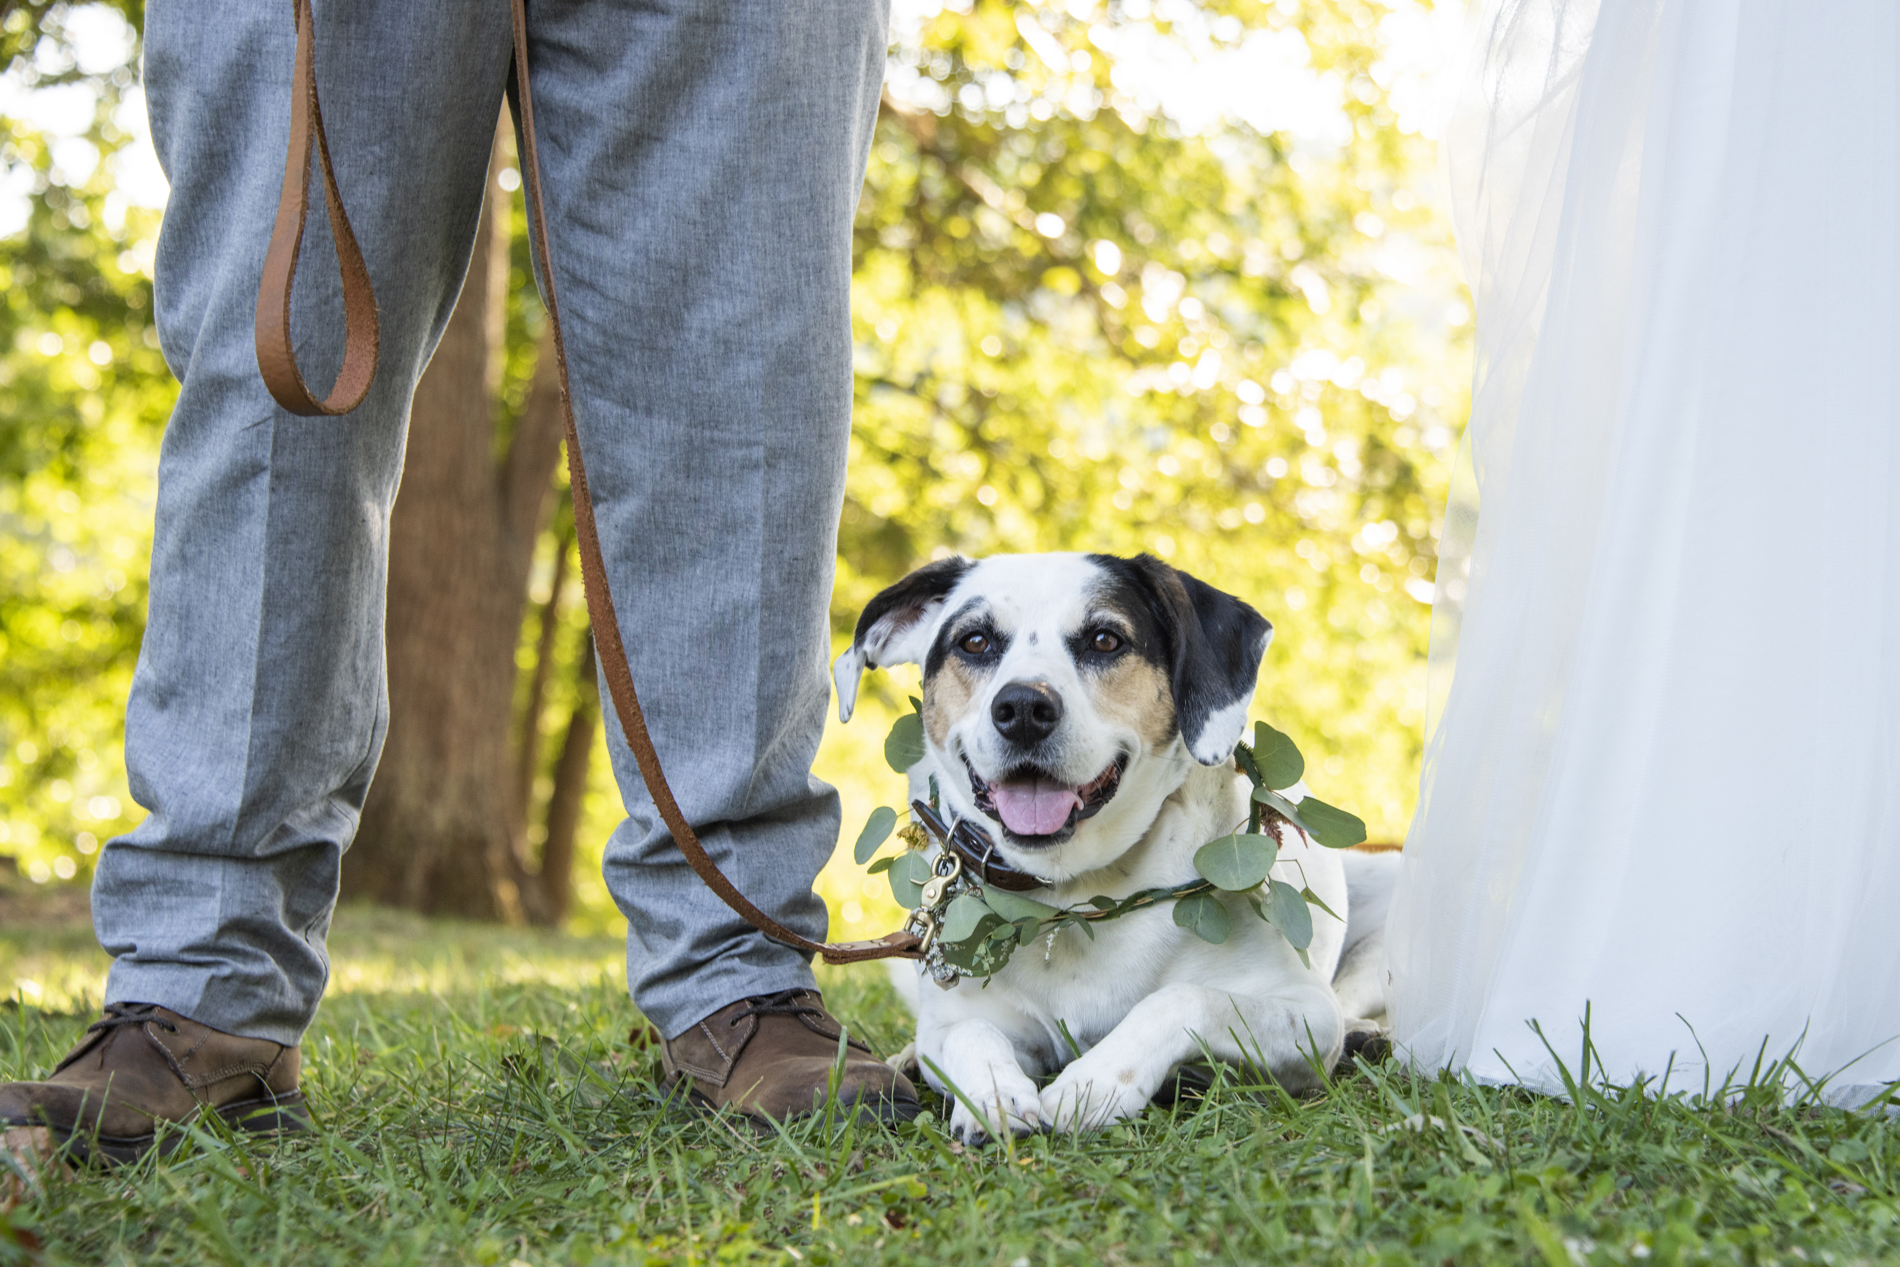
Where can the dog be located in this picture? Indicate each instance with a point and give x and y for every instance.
(1083, 710)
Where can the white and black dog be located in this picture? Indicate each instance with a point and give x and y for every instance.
(1083, 709)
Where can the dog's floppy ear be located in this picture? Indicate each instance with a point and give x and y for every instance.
(1217, 642)
(895, 627)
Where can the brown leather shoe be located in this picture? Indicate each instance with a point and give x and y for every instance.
(771, 1058)
(144, 1068)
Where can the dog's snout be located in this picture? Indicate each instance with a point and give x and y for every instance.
(1026, 712)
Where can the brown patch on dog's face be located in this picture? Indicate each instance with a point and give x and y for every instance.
(947, 696)
(1133, 692)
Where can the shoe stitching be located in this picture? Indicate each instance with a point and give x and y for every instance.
(684, 1063)
(188, 1053)
(178, 1070)
(196, 1047)
(713, 1039)
(256, 1070)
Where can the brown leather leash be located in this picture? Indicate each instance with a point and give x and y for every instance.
(276, 357)
(276, 360)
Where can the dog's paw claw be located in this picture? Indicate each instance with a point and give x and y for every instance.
(1077, 1102)
(1011, 1104)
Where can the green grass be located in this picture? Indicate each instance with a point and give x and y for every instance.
(480, 1102)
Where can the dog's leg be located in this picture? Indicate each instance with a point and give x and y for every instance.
(979, 1058)
(1286, 1033)
(1360, 981)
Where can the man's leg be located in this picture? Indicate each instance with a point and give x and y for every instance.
(702, 168)
(258, 706)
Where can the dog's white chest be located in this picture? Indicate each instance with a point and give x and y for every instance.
(1086, 985)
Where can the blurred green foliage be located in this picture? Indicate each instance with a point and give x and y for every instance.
(83, 393)
(1081, 322)
(1080, 327)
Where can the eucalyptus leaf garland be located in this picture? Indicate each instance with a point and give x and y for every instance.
(904, 746)
(979, 928)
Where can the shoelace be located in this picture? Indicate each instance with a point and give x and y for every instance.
(781, 1004)
(122, 1014)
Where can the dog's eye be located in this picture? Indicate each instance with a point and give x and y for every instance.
(975, 644)
(1105, 643)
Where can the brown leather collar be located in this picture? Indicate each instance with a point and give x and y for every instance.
(978, 851)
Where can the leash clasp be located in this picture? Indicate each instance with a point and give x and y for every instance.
(936, 889)
(927, 920)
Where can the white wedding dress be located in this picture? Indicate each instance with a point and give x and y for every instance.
(1663, 775)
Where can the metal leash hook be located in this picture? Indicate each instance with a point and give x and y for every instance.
(927, 920)
(938, 889)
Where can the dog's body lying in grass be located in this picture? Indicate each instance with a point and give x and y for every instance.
(1084, 710)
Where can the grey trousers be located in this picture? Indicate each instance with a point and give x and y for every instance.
(702, 159)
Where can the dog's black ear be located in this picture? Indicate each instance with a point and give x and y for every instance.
(1216, 642)
(895, 627)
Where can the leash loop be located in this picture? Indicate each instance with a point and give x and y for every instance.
(362, 334)
(278, 366)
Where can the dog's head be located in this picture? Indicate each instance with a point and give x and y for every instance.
(1064, 693)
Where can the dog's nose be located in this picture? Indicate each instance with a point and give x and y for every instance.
(1026, 712)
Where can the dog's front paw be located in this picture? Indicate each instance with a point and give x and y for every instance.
(1091, 1095)
(1367, 1041)
(1008, 1102)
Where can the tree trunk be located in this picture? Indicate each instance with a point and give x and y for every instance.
(556, 874)
(440, 829)
(528, 763)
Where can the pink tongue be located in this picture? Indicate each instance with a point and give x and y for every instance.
(1034, 809)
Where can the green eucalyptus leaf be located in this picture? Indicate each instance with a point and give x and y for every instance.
(978, 957)
(1013, 907)
(1026, 930)
(909, 872)
(960, 955)
(1101, 903)
(1313, 899)
(1286, 911)
(1330, 825)
(1203, 914)
(1285, 808)
(904, 746)
(1273, 800)
(881, 865)
(916, 705)
(877, 830)
(1236, 862)
(961, 920)
(1276, 757)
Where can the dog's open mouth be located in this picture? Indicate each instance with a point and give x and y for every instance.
(1035, 807)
